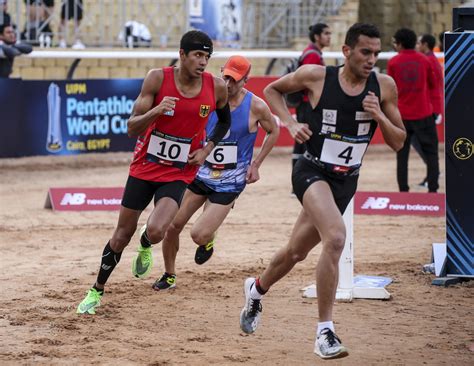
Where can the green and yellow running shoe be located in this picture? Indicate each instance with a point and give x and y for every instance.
(204, 252)
(90, 302)
(142, 263)
(166, 282)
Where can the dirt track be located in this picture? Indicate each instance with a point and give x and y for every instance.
(49, 259)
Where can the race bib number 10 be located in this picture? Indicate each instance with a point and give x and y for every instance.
(223, 156)
(168, 150)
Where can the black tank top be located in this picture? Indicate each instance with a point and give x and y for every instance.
(341, 128)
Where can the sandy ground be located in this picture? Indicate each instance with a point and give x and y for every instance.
(49, 260)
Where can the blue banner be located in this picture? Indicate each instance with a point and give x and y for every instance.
(459, 139)
(220, 19)
(66, 117)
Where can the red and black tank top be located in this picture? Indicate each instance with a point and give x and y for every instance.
(161, 153)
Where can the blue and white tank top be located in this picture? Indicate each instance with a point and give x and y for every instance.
(226, 166)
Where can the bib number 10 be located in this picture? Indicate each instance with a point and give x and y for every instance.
(168, 150)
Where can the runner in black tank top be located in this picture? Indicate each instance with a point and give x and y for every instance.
(348, 103)
(340, 113)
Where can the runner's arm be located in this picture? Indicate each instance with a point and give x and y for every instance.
(265, 118)
(223, 113)
(386, 114)
(143, 114)
(303, 78)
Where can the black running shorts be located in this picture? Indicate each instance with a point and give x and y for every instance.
(72, 9)
(221, 198)
(138, 192)
(306, 173)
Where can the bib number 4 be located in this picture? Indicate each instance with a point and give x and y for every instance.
(343, 153)
(346, 154)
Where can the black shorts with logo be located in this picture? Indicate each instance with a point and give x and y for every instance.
(306, 173)
(138, 192)
(222, 198)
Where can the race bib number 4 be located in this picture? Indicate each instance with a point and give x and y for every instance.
(343, 153)
(223, 156)
(168, 150)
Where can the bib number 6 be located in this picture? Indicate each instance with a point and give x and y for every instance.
(218, 154)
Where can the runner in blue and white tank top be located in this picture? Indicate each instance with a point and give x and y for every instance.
(228, 168)
(225, 169)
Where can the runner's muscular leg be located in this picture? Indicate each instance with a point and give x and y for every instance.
(320, 206)
(126, 226)
(160, 218)
(189, 205)
(303, 239)
(209, 221)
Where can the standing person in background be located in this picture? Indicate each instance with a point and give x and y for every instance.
(225, 174)
(425, 45)
(349, 102)
(5, 18)
(169, 118)
(71, 9)
(320, 37)
(415, 79)
(38, 13)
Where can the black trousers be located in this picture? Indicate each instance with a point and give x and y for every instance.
(424, 130)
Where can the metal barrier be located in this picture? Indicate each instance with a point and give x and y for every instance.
(97, 23)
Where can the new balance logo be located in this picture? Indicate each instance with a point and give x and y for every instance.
(73, 199)
(376, 203)
(106, 267)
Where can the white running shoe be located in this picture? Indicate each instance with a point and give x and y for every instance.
(328, 345)
(250, 314)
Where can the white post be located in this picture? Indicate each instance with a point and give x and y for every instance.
(346, 262)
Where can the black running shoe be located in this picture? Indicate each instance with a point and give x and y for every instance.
(166, 282)
(424, 183)
(204, 252)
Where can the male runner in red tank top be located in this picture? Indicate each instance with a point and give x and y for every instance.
(169, 117)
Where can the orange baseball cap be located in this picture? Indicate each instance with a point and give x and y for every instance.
(237, 67)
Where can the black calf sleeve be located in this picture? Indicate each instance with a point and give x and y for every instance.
(145, 241)
(109, 260)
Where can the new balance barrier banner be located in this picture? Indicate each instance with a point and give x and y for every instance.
(459, 105)
(399, 203)
(84, 199)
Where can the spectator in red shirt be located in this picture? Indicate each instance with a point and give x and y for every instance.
(414, 76)
(425, 45)
(320, 37)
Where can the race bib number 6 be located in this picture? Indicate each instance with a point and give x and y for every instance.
(168, 150)
(223, 156)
